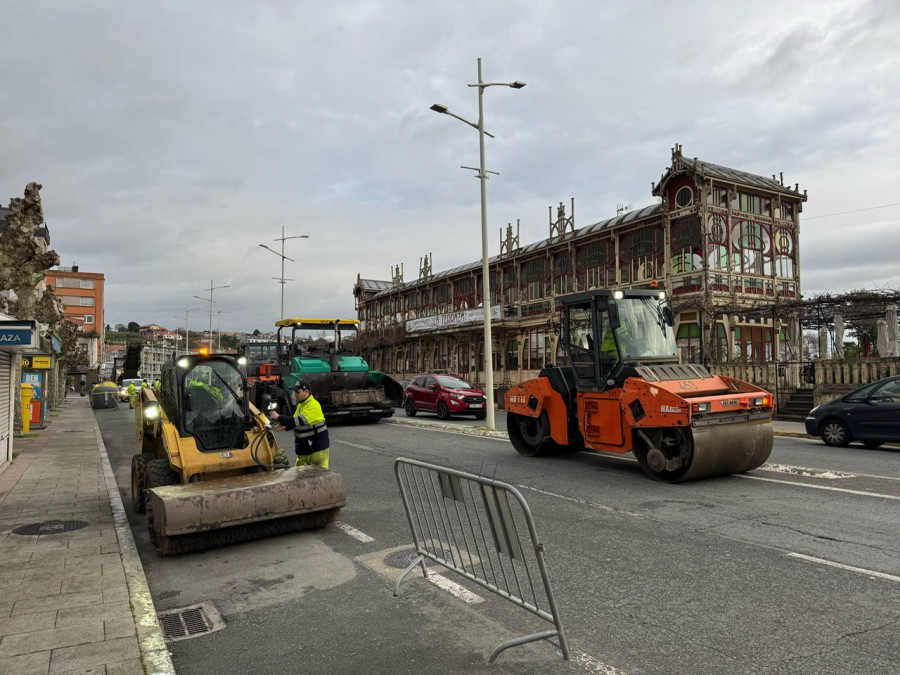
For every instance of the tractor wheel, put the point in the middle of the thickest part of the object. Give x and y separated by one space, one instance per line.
139 481
530 436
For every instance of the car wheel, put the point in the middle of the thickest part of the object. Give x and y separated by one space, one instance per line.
410 408
872 445
442 412
835 433
481 416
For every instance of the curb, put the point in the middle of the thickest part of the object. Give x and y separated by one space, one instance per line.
154 652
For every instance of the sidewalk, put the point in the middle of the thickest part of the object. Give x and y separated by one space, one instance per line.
73 596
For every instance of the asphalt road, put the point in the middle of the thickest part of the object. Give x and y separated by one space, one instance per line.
791 568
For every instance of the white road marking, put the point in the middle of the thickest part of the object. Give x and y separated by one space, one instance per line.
822 473
354 445
819 487
353 532
861 570
592 665
455 589
803 471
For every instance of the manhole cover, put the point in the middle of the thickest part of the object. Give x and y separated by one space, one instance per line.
51 527
188 622
403 559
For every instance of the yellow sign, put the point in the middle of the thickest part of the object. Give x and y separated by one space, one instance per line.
33 361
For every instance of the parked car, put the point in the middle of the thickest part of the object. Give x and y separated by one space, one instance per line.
123 388
870 415
445 395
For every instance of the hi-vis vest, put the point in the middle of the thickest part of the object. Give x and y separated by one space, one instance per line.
310 431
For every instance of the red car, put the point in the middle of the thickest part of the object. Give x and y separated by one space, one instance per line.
446 395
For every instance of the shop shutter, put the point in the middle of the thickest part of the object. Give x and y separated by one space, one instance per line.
6 409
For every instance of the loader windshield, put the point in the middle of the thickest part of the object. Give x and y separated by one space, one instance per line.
213 404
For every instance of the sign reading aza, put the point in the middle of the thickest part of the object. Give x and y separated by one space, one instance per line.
16 334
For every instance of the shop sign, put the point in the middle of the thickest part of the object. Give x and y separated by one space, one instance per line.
35 361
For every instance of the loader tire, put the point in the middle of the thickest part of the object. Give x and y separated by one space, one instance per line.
159 473
139 481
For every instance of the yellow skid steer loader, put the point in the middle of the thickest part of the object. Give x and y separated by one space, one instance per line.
208 470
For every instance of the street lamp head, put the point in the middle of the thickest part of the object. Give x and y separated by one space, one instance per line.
437 107
516 84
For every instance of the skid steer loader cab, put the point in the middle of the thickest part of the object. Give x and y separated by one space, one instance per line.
215 411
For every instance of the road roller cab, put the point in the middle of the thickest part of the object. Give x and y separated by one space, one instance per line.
620 388
208 469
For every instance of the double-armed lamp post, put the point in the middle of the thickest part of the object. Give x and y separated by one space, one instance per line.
485 271
283 258
210 300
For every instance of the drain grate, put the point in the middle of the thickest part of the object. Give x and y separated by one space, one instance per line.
51 527
403 559
188 622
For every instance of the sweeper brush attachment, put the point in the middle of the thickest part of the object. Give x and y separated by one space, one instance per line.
196 516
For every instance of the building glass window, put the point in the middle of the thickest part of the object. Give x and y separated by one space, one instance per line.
563 273
510 285
752 246
685 245
688 341
443 299
462 293
88 318
718 196
684 197
753 343
512 354
534 274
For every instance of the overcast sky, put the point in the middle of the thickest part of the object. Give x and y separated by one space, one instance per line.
172 138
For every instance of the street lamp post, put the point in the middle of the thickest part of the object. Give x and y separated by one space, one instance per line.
283 258
187 334
485 271
210 300
219 348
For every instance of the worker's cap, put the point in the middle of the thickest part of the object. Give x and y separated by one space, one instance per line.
301 384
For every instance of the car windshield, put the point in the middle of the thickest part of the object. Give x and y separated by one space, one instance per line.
453 383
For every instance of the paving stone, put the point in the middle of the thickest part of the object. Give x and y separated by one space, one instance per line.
131 667
77 615
97 654
27 623
53 638
36 663
68 600
119 628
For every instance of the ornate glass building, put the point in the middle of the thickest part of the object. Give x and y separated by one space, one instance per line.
723 242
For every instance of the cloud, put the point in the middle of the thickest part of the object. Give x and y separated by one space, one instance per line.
173 138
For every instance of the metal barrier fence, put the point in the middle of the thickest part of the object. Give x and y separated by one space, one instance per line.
469 525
